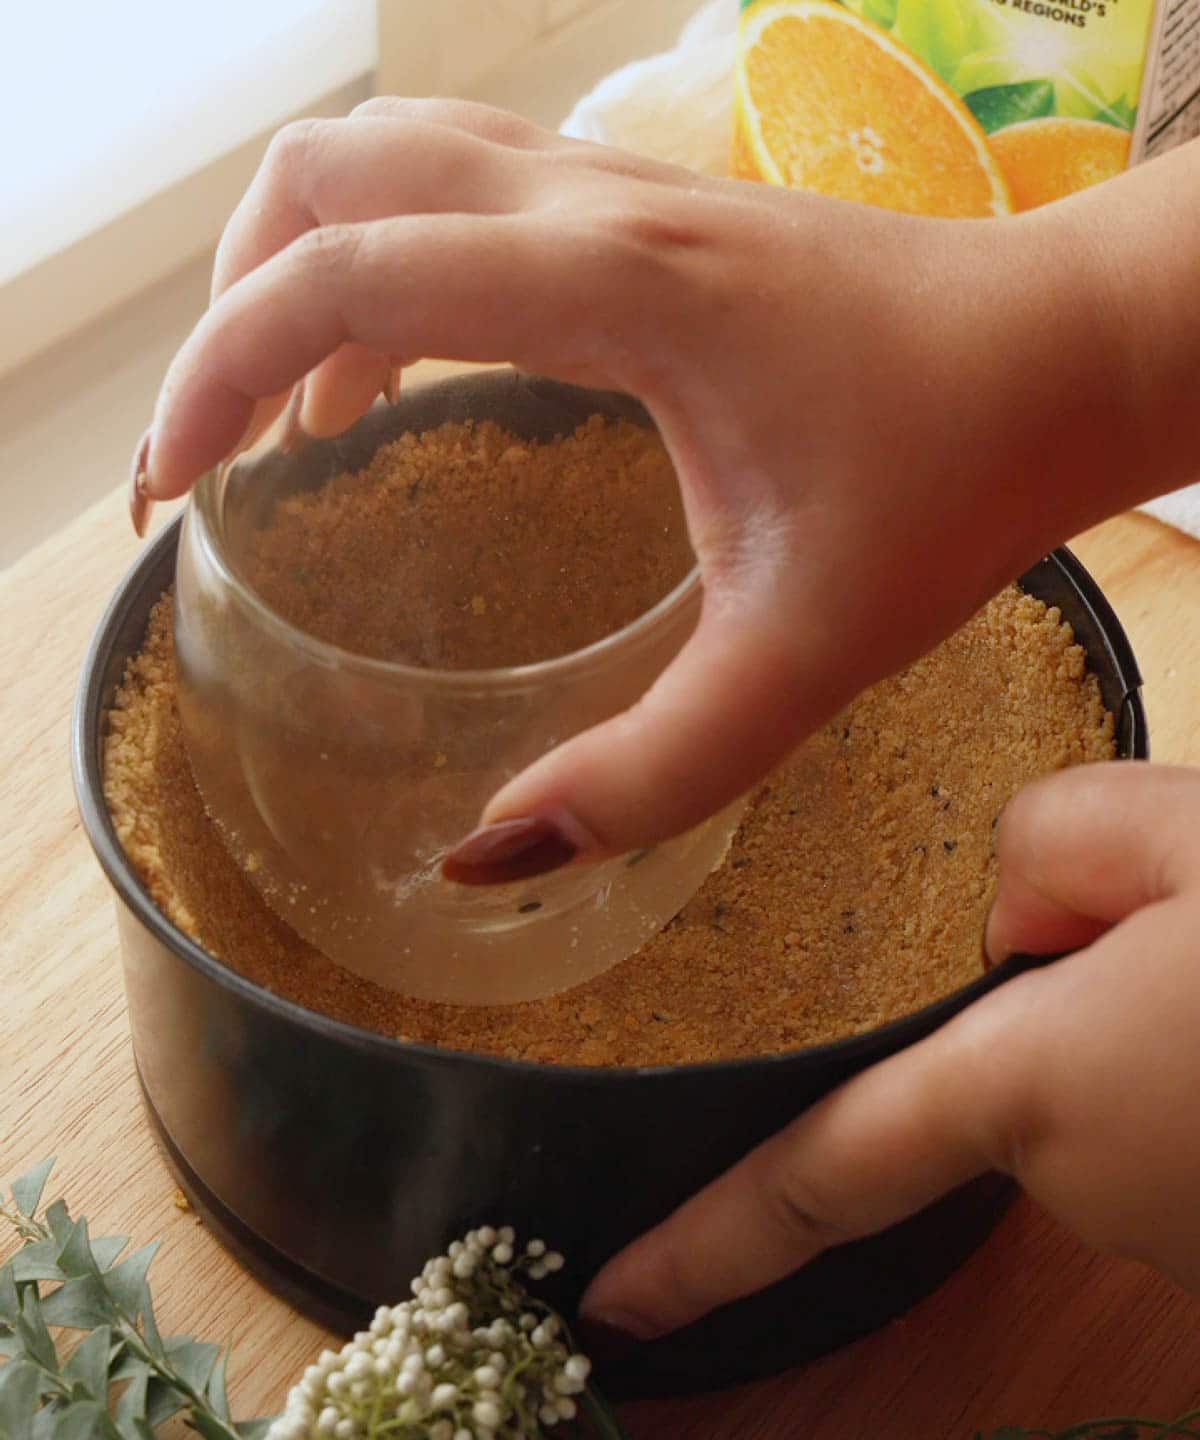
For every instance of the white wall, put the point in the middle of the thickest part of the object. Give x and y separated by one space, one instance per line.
70 415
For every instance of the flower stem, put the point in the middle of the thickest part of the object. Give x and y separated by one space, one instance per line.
1182 1426
602 1417
26 1226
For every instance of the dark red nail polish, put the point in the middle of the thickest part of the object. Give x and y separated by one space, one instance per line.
604 1345
508 850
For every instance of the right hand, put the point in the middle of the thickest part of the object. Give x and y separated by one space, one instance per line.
877 419
1078 1079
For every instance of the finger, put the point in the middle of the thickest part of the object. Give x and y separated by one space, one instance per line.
875 1151
472 117
341 388
264 414
516 291
683 751
328 172
1081 850
981 1093
502 127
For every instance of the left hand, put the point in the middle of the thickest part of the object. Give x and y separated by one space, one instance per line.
1079 1080
845 392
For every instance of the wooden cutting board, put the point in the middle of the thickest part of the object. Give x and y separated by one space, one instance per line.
1034 1330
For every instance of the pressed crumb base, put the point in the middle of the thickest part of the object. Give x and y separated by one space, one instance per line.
855 890
464 547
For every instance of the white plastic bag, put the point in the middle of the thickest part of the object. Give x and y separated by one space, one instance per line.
677 106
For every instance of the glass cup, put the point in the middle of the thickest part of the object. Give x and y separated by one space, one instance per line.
343 720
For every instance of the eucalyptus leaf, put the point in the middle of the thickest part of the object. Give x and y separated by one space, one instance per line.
127 1365
87 1420
38 1261
217 1392
996 106
211 1428
80 1304
193 1360
88 1363
133 1429
162 1401
31 1327
106 1249
154 1341
126 1282
10 1301
27 1191
75 1257
132 1403
20 1385
58 1218
123 1381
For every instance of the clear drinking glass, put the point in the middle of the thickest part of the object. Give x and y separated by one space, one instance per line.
339 780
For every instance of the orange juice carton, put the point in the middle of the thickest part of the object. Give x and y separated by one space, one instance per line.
961 107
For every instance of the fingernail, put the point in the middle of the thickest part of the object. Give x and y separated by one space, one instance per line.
391 385
292 436
509 850
612 1334
995 950
141 505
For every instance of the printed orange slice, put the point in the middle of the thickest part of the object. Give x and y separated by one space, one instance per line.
1044 160
828 101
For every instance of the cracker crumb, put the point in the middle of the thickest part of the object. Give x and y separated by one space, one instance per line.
857 885
458 549
841 904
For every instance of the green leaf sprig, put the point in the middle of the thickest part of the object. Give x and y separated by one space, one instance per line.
1112 1427
124 1378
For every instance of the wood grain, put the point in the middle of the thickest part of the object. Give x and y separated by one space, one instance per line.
1035 1329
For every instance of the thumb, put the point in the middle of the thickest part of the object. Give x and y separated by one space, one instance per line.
1080 850
730 705
1104 841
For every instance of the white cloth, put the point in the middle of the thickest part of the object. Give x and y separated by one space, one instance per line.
678 107
1182 509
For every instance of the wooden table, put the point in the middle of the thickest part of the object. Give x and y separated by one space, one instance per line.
1034 1330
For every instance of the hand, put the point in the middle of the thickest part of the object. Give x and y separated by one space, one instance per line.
1079 1080
877 420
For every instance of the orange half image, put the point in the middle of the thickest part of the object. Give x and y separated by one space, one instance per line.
827 101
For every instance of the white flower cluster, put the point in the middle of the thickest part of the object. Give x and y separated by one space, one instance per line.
470 1357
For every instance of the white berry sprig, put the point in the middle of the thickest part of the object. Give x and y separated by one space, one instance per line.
472 1356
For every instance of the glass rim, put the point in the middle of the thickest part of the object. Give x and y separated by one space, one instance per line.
205 511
